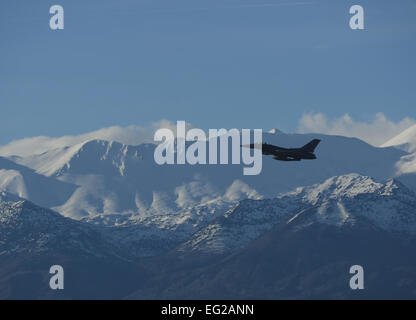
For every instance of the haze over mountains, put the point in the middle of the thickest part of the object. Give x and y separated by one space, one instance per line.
107 205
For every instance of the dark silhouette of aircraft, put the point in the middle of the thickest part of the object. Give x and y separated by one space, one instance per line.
284 154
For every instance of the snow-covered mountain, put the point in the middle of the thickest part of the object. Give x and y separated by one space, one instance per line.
338 201
33 238
301 259
156 208
222 226
299 245
115 178
157 234
406 140
406 166
159 225
26 183
83 158
26 228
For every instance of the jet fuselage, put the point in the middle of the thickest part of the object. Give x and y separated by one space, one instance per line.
289 154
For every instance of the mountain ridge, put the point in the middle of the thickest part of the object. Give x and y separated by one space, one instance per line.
405 140
114 178
305 228
391 206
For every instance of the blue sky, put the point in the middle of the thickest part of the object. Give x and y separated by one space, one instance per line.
244 64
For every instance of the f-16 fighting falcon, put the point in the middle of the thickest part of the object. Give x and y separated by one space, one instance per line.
285 154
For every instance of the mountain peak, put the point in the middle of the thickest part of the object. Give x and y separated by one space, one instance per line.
349 185
87 155
21 212
275 131
405 140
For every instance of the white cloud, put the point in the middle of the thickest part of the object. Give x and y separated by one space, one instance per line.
195 192
375 132
240 190
407 164
132 135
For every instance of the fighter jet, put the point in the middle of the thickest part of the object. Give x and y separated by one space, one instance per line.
284 154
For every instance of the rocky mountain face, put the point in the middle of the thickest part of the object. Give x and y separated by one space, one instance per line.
302 259
124 227
30 229
32 239
297 245
338 201
301 246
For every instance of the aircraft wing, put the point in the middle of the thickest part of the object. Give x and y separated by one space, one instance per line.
285 158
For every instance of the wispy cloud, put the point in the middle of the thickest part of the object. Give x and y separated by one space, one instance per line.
375 132
132 135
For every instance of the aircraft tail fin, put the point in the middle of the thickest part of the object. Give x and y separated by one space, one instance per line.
310 147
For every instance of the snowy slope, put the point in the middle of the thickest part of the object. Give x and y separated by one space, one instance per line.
26 183
406 140
303 259
118 178
129 207
82 158
303 233
406 166
215 227
32 239
26 228
338 201
158 234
